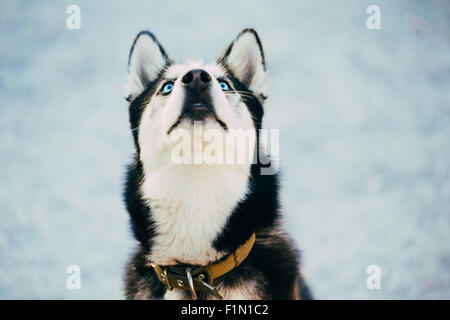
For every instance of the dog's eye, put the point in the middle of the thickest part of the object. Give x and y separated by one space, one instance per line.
224 86
167 88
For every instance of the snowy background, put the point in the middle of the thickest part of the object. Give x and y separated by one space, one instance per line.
364 119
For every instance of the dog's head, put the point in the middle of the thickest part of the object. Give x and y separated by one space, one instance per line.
165 96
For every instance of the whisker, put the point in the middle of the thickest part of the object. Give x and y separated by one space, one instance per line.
244 93
241 93
144 103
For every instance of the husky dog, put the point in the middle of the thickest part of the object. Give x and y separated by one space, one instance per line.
206 231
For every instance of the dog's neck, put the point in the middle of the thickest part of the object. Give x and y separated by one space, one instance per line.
190 205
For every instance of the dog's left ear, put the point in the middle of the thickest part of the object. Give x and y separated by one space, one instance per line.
244 57
146 61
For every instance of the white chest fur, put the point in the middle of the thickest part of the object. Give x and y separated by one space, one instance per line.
190 206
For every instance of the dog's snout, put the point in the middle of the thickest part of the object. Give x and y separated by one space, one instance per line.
197 101
196 80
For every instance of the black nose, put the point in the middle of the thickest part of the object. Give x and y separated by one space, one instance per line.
196 80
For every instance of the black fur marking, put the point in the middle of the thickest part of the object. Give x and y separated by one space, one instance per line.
254 105
259 210
278 262
141 223
137 108
304 290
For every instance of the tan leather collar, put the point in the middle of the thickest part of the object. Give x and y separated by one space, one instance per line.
202 278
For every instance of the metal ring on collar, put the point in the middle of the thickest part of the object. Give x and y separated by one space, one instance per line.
191 283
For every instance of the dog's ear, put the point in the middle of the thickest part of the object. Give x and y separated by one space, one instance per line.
244 57
146 61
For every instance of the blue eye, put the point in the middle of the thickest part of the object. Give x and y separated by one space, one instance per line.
167 88
224 86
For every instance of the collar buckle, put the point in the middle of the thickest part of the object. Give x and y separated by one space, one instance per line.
192 280
201 278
